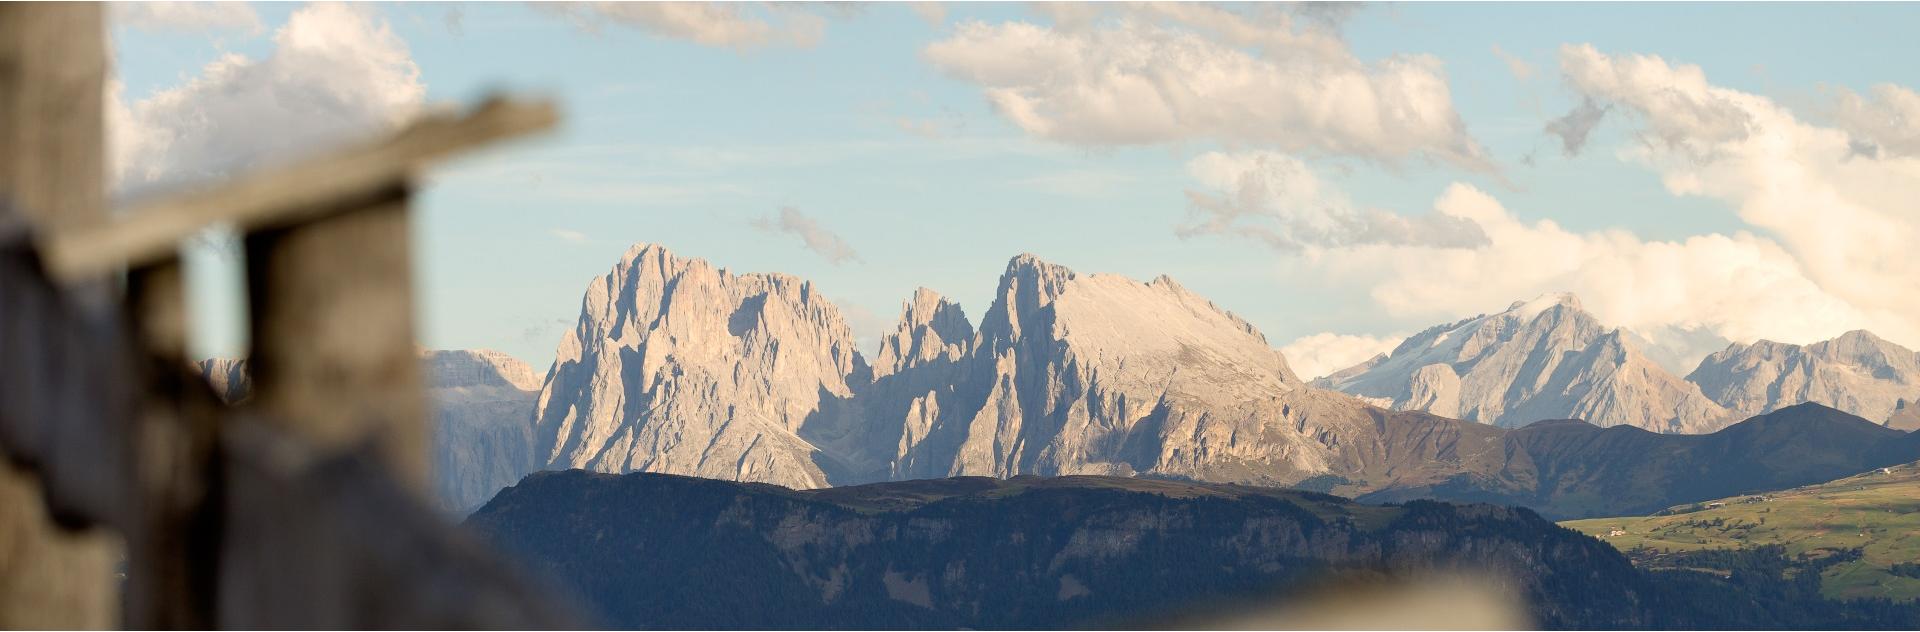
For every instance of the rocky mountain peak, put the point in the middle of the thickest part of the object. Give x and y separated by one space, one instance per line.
676 366
1540 358
1528 310
478 368
931 327
1857 372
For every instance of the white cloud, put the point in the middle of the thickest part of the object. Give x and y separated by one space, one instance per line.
568 235
1167 73
1278 200
1739 287
740 26
1320 354
815 237
336 73
187 17
1885 120
1847 223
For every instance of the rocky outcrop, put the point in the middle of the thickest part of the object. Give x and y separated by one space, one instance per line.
681 368
1541 359
1857 372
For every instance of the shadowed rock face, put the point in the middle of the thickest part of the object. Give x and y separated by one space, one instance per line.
1541 359
1856 372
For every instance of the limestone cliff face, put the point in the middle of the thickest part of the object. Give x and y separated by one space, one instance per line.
1100 374
483 424
1857 372
1540 359
681 368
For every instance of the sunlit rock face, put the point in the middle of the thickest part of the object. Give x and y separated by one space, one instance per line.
1857 372
678 367
681 368
1541 359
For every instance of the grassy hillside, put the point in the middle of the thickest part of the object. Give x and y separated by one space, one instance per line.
1877 512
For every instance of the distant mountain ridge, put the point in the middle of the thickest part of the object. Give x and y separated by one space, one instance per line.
1024 553
1541 359
1547 358
1857 372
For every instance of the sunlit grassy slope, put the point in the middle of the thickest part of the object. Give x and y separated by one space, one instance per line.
1878 512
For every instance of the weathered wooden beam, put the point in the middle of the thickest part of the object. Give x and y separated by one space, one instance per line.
52 77
279 196
333 344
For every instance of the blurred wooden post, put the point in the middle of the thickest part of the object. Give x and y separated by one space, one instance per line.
52 78
333 346
172 545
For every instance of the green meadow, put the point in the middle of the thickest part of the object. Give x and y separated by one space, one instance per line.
1877 512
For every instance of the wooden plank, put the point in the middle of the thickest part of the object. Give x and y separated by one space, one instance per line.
280 196
334 358
52 75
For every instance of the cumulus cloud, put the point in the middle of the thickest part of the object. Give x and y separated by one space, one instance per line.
1321 354
1278 200
336 73
739 26
815 237
1887 119
1738 287
1847 224
187 17
1166 73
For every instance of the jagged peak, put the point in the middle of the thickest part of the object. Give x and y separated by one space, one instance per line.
1027 263
1529 309
646 249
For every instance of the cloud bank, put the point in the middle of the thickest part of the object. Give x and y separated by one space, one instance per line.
1168 73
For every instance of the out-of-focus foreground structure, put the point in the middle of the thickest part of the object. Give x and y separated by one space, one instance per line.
305 507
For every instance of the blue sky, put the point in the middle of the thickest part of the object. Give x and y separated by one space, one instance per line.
904 157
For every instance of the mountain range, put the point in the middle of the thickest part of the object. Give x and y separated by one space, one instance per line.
676 366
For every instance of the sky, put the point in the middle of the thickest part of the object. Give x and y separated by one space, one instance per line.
1341 176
